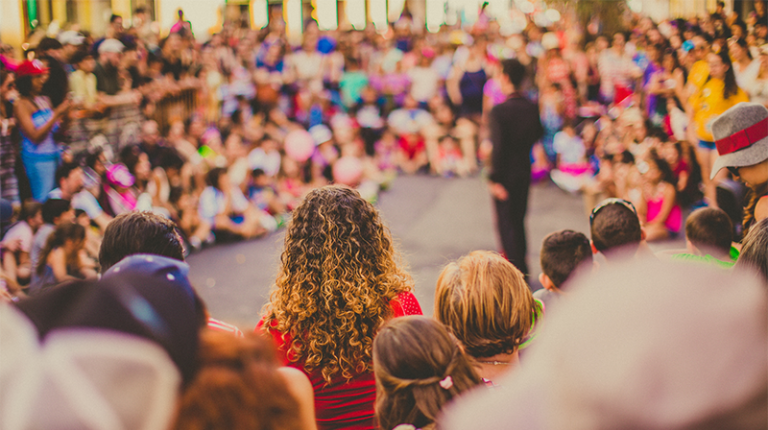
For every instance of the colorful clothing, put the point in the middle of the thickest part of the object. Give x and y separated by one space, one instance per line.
41 159
709 103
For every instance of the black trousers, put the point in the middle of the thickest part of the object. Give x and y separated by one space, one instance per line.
510 221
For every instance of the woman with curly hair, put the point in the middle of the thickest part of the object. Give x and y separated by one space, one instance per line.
420 367
338 283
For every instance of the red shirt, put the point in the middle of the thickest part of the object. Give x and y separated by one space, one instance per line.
346 404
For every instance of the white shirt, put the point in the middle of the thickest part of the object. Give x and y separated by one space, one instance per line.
83 200
20 230
212 203
424 83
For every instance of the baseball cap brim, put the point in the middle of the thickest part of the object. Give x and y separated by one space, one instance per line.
742 157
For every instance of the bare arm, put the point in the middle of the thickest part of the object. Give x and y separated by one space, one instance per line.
301 389
23 113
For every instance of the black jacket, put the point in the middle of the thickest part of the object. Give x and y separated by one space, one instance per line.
514 126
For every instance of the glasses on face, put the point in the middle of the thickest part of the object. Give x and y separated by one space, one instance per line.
734 170
608 202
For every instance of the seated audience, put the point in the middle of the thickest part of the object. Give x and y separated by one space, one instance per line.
668 325
62 259
562 254
17 245
225 207
419 368
466 290
55 213
339 282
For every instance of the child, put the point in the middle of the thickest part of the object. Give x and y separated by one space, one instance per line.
262 195
662 214
419 368
708 236
472 285
562 253
450 161
572 168
615 227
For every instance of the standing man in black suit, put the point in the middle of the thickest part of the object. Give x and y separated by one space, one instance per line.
514 126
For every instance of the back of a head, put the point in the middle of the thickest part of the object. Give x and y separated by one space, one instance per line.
562 252
754 252
237 386
710 229
419 367
677 346
337 252
54 208
514 70
616 227
139 233
486 303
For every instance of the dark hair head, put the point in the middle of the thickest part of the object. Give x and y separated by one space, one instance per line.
139 233
411 356
24 85
710 229
731 88
562 252
53 208
615 226
754 253
514 70
63 171
47 44
114 18
214 175
65 231
29 210
80 56
667 175
257 173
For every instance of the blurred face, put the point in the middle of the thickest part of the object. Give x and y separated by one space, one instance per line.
716 67
36 221
87 65
618 41
68 216
117 25
149 132
8 85
143 169
38 81
224 183
74 182
754 175
700 48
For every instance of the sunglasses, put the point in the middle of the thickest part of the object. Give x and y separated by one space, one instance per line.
609 202
734 170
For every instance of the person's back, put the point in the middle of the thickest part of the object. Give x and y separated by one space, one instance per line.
338 283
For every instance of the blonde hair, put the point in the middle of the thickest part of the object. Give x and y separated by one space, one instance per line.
486 303
338 273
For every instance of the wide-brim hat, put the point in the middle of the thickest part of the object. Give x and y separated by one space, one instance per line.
741 136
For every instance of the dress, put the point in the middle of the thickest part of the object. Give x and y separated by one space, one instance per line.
346 404
471 87
41 159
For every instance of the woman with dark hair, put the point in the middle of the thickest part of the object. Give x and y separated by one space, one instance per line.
745 67
338 283
718 94
9 184
420 367
37 121
658 209
61 259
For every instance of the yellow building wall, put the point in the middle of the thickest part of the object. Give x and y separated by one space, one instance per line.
12 23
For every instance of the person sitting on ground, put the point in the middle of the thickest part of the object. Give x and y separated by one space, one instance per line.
562 254
69 178
240 386
225 207
615 228
55 213
146 233
708 237
466 290
419 367
63 259
16 256
338 283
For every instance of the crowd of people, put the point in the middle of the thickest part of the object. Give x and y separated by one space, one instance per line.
663 129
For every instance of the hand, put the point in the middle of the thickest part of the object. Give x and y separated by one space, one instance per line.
62 109
498 191
11 245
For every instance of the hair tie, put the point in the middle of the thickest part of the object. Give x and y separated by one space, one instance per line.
447 382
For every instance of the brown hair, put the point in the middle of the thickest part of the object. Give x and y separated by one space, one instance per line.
139 233
237 387
338 273
709 229
419 367
562 252
753 196
485 302
64 232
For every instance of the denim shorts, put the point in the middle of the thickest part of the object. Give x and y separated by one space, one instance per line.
703 144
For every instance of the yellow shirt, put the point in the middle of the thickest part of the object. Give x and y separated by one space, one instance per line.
699 74
708 104
83 86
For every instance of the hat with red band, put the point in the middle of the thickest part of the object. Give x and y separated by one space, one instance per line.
33 67
741 136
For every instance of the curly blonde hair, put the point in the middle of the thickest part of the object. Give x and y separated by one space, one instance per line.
338 273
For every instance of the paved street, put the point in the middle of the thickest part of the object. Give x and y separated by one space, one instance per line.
433 221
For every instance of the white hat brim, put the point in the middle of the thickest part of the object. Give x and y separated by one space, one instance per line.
751 155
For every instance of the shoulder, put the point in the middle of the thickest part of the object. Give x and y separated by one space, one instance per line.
761 209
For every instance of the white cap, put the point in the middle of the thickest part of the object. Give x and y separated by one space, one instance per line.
71 37
111 45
